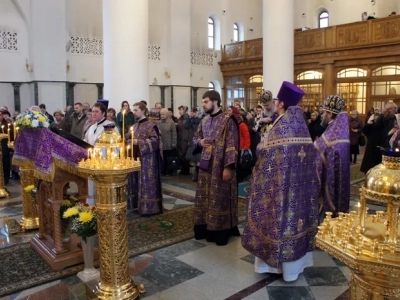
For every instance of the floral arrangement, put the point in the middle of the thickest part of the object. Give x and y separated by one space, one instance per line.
83 219
32 119
68 202
32 190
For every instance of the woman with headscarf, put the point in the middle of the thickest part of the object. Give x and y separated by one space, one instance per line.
125 116
244 142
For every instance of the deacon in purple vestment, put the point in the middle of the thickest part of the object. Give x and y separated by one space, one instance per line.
282 202
215 214
147 141
333 159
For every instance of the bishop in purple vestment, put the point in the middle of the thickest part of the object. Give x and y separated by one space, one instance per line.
215 214
282 201
333 160
147 140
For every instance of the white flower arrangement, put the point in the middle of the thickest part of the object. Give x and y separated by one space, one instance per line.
32 119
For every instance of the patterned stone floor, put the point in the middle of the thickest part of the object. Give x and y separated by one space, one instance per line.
200 270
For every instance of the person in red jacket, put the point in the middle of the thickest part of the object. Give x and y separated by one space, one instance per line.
244 166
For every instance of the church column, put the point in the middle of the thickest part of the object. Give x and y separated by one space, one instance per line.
125 38
329 80
99 90
278 43
17 96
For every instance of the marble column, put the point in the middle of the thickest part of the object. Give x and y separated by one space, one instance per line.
70 95
125 38
278 43
100 90
162 88
17 96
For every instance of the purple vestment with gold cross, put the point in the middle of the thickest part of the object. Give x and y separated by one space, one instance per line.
216 206
149 150
282 201
333 164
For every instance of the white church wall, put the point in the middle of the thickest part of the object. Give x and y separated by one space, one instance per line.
52 94
85 26
85 93
26 95
7 96
13 59
340 11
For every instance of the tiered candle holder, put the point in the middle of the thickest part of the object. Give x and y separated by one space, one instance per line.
109 167
368 243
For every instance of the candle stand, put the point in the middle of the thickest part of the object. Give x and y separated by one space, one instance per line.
368 243
109 167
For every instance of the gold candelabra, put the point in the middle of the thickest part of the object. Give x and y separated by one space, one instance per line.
367 243
109 165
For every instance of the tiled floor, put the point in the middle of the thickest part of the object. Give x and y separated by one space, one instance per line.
200 270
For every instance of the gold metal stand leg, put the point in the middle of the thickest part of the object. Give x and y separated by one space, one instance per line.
115 282
3 192
30 220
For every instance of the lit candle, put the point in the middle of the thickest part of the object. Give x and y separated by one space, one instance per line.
2 129
121 152
16 134
14 131
9 132
132 137
88 153
123 127
127 151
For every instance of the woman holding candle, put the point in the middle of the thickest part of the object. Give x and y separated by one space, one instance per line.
125 120
147 145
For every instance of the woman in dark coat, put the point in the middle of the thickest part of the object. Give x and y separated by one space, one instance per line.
372 155
355 126
191 124
314 126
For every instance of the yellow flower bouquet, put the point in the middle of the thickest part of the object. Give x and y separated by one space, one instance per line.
84 220
32 190
32 119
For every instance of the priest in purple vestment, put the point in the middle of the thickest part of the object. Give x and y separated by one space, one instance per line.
148 148
333 159
215 215
282 201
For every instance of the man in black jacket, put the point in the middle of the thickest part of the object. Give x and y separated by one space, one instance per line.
44 111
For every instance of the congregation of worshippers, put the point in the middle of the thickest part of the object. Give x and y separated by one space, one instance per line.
295 159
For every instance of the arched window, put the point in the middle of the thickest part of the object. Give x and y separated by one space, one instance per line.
211 33
235 32
323 19
352 72
211 86
309 75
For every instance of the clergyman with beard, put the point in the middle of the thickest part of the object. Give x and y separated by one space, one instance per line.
215 215
333 162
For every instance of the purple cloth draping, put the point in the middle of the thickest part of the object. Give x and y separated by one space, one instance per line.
41 147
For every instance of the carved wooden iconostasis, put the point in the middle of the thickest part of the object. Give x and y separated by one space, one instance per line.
359 61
